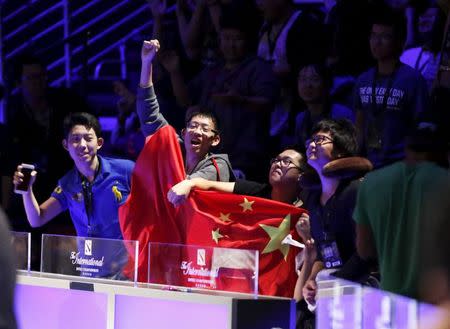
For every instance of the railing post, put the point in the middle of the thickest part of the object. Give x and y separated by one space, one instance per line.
66 13
123 61
2 79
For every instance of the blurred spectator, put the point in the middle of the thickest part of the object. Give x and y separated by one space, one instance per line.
35 117
393 211
199 25
241 92
406 8
127 139
169 30
313 85
289 38
426 57
7 277
390 97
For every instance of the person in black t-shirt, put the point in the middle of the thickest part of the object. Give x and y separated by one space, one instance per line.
332 145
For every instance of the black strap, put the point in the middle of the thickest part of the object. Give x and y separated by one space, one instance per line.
87 197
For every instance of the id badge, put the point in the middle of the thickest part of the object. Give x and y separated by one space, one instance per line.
330 254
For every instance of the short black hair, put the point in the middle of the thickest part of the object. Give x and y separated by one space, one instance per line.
343 133
81 119
323 71
386 16
204 112
239 16
297 148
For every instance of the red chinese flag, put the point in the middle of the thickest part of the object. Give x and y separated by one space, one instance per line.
147 216
208 218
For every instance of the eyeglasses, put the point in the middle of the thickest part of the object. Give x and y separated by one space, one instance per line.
319 140
204 128
284 162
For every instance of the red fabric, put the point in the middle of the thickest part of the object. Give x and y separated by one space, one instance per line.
148 216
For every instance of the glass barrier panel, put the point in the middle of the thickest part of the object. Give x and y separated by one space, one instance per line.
211 268
89 257
339 304
21 243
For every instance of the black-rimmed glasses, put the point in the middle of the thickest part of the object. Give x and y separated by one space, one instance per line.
203 127
319 140
284 162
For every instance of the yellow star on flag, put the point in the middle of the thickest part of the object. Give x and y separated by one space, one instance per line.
225 217
246 205
277 234
216 235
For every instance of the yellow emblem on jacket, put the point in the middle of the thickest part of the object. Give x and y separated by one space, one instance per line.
117 193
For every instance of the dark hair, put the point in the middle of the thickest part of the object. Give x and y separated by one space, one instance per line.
434 39
386 16
21 61
240 17
343 133
297 148
430 140
200 111
82 119
323 71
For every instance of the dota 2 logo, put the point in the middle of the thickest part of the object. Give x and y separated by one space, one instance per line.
88 247
201 258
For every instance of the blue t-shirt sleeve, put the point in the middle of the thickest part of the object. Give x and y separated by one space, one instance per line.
60 195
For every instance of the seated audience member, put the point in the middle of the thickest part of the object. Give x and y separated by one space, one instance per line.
7 276
393 211
331 152
127 139
313 85
92 191
199 136
389 98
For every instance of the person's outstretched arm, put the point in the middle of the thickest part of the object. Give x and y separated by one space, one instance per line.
179 192
37 215
147 105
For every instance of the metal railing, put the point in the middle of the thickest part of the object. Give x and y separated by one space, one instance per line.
71 43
